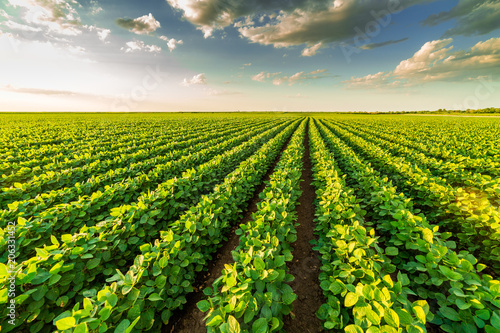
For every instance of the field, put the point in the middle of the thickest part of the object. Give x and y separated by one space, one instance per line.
249 223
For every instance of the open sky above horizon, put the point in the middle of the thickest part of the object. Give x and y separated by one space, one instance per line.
263 55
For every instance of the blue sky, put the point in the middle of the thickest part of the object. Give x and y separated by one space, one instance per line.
225 55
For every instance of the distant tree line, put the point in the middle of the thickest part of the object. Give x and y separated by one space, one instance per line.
440 111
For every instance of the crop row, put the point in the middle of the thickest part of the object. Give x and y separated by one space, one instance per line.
97 208
148 171
474 220
356 273
159 278
252 294
460 299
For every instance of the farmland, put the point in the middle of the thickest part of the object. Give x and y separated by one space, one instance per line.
249 223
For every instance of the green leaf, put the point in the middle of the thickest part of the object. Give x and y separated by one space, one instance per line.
391 317
155 297
454 276
204 305
335 288
4 296
3 270
495 320
93 263
233 325
420 313
392 251
161 281
373 317
215 321
259 264
54 241
122 327
351 299
449 313
66 323
260 326
353 329
82 328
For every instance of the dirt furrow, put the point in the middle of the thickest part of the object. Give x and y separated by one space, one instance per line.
190 318
306 264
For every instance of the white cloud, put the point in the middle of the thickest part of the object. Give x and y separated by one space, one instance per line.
95 8
436 61
20 27
171 42
198 79
142 25
57 16
138 45
279 79
311 51
102 33
314 23
262 76
4 14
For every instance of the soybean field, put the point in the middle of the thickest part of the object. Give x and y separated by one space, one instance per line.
241 222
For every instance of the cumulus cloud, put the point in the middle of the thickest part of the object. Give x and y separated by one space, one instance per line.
437 61
262 76
372 46
142 25
473 18
314 23
57 16
279 79
95 8
140 46
198 79
102 33
215 14
171 42
311 51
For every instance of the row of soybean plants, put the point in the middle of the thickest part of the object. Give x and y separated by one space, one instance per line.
478 174
446 137
51 141
460 297
252 294
23 162
364 290
92 165
119 273
102 206
145 173
459 170
474 221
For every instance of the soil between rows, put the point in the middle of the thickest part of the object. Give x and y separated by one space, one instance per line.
306 264
190 318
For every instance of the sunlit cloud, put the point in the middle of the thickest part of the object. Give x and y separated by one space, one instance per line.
142 25
299 22
436 61
140 46
58 17
171 42
279 79
198 79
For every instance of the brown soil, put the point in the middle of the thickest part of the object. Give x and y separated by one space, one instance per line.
306 263
190 318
